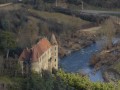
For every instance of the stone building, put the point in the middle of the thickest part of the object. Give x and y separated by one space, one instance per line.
42 56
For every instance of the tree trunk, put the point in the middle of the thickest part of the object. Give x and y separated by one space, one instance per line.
56 3
7 54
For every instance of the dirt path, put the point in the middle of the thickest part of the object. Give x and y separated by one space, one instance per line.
92 29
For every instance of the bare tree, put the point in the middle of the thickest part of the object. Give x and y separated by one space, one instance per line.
108 31
28 34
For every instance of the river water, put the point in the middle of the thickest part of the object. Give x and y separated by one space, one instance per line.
78 62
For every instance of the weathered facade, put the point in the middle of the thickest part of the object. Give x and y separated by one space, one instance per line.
42 56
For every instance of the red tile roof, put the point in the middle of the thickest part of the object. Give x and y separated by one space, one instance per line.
25 54
42 46
37 50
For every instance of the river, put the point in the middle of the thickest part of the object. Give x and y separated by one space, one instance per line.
78 62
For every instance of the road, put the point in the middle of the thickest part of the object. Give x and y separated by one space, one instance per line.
112 14
101 12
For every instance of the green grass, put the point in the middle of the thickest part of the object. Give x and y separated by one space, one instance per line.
10 80
60 18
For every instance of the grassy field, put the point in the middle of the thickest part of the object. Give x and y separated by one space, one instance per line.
60 18
57 17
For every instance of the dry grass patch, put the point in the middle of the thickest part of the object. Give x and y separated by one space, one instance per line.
60 18
116 67
11 7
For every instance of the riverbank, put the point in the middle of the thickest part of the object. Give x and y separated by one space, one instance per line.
77 40
78 62
109 61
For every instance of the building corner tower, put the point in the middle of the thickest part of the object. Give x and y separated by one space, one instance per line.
54 51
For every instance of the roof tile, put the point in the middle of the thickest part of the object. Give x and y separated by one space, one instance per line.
37 50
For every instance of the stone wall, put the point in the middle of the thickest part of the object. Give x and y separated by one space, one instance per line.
43 62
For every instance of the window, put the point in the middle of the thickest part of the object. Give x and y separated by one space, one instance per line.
50 59
55 65
55 60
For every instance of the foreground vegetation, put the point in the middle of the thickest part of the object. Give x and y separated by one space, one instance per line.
58 81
